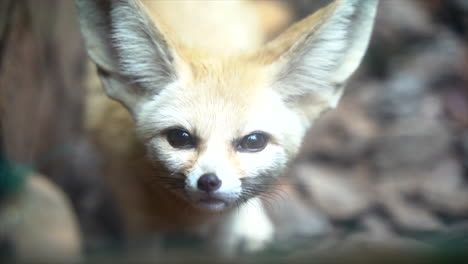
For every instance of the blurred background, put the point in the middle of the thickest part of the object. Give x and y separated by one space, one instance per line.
389 166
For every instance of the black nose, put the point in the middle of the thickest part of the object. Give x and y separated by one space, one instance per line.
209 182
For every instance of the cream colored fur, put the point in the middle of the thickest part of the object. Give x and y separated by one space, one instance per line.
203 66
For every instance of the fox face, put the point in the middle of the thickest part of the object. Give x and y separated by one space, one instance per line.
223 126
222 139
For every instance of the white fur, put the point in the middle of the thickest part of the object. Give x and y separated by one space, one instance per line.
213 160
249 227
218 157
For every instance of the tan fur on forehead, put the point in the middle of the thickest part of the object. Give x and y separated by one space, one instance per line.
221 87
208 34
240 74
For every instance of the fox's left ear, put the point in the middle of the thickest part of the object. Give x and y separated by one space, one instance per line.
312 60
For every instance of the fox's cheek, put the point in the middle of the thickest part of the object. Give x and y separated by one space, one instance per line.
176 161
272 158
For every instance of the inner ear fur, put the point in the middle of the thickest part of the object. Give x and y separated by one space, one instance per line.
315 57
133 54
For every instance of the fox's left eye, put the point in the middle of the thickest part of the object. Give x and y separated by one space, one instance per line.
253 142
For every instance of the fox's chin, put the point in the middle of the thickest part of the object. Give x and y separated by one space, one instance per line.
211 204
214 203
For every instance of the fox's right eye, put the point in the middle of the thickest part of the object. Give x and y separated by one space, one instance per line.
254 142
179 138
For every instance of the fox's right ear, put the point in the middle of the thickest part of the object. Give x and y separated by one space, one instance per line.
132 53
314 58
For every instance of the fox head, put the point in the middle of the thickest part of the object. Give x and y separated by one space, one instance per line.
224 127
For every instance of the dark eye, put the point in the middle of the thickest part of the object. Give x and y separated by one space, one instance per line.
253 142
179 138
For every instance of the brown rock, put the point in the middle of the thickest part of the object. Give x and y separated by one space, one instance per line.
407 216
344 133
377 227
402 18
294 219
444 189
335 192
40 224
412 143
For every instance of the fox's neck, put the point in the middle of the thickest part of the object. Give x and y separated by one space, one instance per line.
198 26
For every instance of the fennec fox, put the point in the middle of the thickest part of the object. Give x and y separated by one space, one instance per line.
216 114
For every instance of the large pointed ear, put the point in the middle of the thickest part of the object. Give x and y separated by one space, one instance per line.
313 59
132 53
